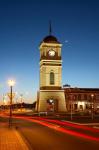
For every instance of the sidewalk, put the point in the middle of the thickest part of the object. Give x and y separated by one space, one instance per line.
10 139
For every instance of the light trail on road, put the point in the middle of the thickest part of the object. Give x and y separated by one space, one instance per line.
61 129
56 127
66 123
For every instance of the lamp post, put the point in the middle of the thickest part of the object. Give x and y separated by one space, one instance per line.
3 101
21 96
92 106
71 111
11 83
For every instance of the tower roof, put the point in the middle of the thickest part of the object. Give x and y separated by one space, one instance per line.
50 39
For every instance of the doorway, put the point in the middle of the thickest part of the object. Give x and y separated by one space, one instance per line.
52 105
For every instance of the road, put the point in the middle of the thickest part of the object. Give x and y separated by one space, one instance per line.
45 134
47 137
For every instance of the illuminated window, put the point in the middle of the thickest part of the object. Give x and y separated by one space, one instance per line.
51 78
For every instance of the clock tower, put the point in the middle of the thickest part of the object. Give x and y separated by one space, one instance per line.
51 97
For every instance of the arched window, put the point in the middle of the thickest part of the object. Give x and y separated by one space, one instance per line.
51 78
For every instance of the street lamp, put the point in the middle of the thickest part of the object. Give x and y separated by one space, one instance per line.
71 111
92 106
11 83
21 96
3 102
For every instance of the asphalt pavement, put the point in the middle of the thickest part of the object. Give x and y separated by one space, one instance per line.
40 137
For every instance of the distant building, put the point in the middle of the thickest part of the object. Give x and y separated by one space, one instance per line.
82 99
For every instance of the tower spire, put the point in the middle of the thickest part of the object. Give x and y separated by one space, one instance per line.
50 28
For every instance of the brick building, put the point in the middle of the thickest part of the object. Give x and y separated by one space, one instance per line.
82 99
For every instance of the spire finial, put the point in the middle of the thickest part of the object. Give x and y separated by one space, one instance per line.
50 28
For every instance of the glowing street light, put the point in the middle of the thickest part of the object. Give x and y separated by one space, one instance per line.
11 83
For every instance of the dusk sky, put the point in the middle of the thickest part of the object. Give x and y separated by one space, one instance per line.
24 24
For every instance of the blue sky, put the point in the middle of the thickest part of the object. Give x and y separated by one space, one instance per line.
23 25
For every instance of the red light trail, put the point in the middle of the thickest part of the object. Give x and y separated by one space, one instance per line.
50 123
61 129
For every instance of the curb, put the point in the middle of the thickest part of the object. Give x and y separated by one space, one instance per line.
90 124
22 141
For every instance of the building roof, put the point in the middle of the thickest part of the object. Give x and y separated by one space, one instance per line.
50 39
81 89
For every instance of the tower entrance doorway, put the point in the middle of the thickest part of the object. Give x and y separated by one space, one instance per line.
52 105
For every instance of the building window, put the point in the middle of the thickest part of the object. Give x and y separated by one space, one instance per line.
81 107
75 97
97 97
51 78
79 96
85 96
75 106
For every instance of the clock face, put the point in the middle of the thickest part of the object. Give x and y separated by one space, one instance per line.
51 53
